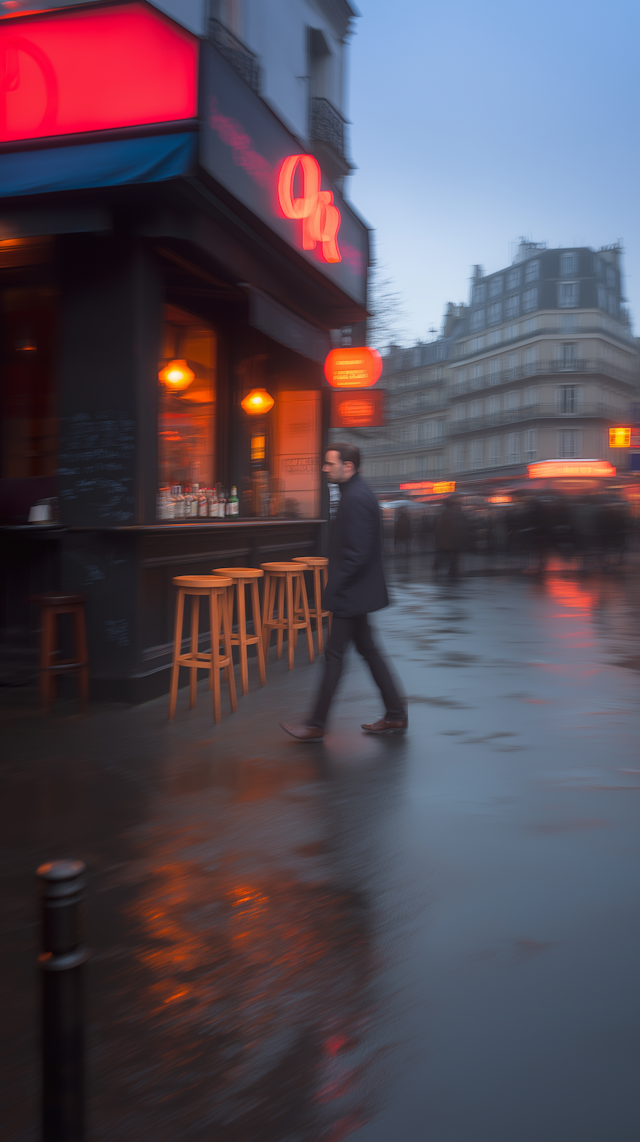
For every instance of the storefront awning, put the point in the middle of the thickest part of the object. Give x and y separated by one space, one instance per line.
286 327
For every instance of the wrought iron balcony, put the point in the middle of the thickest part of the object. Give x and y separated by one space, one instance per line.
326 125
533 412
236 53
544 368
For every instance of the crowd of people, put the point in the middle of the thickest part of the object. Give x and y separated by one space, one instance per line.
591 530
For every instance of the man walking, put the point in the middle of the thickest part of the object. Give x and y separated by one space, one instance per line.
355 587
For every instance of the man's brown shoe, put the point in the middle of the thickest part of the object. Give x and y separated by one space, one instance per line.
386 726
304 733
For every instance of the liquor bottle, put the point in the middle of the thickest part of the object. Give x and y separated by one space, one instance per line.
222 503
178 500
233 504
213 504
203 503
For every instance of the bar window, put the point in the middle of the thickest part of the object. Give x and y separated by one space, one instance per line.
28 402
187 408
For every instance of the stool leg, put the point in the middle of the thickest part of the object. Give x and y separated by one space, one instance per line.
177 647
257 630
193 670
242 637
228 651
214 620
267 610
317 603
325 579
290 620
83 655
280 617
307 619
47 648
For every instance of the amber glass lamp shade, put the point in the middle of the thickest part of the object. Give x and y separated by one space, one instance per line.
258 401
176 376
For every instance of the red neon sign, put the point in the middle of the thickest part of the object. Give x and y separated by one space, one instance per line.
356 368
570 468
320 218
94 69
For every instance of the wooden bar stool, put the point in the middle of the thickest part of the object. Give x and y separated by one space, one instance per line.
244 577
280 576
215 588
318 564
51 605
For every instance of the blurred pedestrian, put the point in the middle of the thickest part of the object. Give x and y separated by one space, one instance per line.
449 536
355 587
402 531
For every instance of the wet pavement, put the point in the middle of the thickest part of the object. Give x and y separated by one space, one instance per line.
433 937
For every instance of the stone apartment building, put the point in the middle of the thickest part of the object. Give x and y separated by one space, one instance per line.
538 366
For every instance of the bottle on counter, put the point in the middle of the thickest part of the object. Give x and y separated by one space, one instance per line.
203 504
222 503
213 504
233 504
163 504
178 502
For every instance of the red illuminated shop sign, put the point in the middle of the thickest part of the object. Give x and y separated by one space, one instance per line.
429 487
94 69
563 468
312 206
355 368
357 409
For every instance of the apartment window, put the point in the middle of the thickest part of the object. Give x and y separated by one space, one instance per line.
494 371
513 279
477 456
513 448
402 468
512 401
568 399
438 464
495 313
477 320
613 305
531 355
530 397
530 300
530 325
495 287
568 265
602 297
568 443
476 375
458 458
532 271
568 355
493 406
530 452
568 294
512 360
479 293
495 452
460 412
439 429
512 307
611 277
476 408
462 380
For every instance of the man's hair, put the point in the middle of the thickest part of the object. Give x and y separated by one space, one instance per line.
346 452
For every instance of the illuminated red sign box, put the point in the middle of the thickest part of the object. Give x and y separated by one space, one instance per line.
563 468
429 487
357 409
356 368
94 69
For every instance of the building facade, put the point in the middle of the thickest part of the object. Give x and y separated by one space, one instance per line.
538 366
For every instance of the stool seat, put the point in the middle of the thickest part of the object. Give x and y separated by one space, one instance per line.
292 617
54 599
318 564
245 577
280 566
215 588
312 560
52 604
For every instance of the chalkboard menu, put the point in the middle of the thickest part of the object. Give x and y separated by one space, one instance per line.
97 468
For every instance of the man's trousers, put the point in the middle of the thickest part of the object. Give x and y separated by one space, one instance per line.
357 630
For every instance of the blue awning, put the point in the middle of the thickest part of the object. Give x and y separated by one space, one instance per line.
116 163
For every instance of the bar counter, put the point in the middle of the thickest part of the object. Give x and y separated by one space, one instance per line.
126 574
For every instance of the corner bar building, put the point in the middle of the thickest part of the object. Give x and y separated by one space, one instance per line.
159 260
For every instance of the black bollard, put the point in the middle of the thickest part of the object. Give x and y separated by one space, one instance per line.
62 1001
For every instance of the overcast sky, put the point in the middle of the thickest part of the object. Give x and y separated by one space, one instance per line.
475 123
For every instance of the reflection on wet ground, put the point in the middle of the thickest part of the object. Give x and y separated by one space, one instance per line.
368 939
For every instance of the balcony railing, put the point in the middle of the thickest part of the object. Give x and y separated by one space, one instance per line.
326 125
236 53
533 412
545 368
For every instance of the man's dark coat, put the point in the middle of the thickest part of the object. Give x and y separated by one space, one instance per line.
356 583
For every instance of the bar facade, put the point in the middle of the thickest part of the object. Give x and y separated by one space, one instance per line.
171 266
